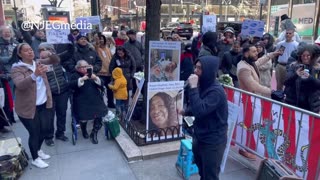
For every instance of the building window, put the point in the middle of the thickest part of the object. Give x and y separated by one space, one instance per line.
6 2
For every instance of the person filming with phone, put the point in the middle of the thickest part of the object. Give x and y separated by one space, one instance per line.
302 82
286 47
88 101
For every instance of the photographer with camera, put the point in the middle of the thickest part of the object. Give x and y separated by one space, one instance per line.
88 101
302 81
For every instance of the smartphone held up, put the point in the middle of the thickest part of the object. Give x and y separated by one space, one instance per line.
89 71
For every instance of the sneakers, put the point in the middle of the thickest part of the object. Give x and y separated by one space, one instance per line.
43 156
39 163
49 142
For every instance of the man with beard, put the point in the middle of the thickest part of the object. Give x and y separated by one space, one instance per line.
7 44
137 52
248 71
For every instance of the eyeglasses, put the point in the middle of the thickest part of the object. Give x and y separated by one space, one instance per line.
289 33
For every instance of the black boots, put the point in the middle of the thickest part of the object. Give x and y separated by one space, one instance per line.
97 124
83 126
93 137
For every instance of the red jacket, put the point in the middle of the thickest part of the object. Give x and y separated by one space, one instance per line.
119 42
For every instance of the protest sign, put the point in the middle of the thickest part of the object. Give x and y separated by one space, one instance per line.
209 23
252 28
57 34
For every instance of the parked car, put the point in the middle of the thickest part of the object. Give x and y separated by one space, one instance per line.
182 29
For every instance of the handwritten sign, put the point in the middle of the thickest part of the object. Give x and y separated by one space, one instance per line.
252 28
209 23
58 35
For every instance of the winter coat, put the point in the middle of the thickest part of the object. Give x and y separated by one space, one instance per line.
186 66
127 65
119 87
120 42
265 72
229 64
57 80
223 47
205 51
249 79
105 57
26 91
6 51
137 52
86 53
208 104
303 92
88 100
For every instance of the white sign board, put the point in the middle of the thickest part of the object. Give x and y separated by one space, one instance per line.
209 23
57 35
233 111
252 28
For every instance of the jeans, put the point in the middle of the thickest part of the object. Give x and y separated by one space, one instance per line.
107 80
60 106
208 158
37 129
121 107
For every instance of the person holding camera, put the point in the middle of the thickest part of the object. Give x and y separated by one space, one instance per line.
33 100
302 82
88 101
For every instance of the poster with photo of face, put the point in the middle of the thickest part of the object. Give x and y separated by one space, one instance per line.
164 98
164 60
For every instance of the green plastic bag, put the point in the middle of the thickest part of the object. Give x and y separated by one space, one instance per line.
113 127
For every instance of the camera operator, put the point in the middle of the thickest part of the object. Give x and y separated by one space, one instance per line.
302 81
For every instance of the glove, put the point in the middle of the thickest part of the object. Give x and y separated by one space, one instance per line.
277 95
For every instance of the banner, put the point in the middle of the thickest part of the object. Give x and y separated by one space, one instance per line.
252 28
164 60
277 132
209 23
164 98
92 20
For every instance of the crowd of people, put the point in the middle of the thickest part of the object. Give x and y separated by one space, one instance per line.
38 79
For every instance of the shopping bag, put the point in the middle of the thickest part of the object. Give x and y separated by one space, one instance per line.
113 127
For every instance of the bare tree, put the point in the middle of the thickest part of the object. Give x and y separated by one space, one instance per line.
55 3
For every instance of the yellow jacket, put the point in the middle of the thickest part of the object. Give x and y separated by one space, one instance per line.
120 85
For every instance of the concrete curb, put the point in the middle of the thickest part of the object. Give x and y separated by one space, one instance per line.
133 152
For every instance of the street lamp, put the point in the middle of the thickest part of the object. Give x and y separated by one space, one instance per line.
262 2
15 9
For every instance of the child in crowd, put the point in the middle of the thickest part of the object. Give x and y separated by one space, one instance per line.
88 101
120 92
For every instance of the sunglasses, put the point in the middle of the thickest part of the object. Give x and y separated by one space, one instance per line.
288 33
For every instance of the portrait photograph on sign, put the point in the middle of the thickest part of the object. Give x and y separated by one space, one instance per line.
162 117
164 61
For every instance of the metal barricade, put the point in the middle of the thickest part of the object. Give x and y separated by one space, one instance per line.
271 129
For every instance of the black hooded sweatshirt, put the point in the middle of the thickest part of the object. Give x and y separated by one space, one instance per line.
208 104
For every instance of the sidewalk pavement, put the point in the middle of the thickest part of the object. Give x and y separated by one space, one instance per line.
105 161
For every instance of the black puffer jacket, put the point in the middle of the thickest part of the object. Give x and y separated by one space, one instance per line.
229 63
57 80
303 93
86 53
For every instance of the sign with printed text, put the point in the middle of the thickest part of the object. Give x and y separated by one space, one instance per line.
252 28
57 35
209 23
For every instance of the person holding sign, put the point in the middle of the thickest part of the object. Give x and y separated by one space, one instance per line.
208 104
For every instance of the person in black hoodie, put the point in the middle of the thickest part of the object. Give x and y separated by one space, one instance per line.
230 60
208 104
